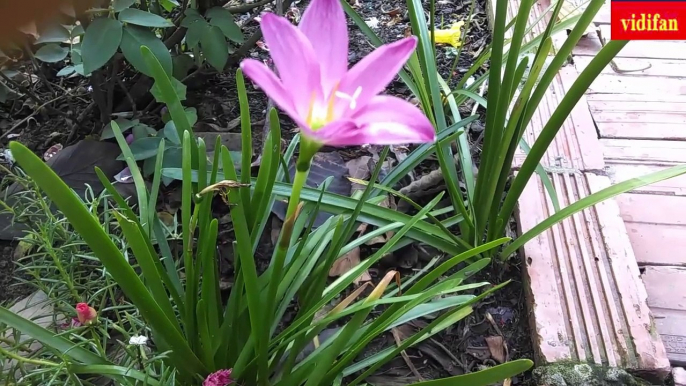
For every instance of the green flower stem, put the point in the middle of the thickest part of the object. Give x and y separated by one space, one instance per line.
302 168
20 358
298 183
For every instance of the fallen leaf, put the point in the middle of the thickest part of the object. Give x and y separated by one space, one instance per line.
358 168
496 345
166 218
345 263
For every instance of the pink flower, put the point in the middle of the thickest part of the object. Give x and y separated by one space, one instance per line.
218 378
334 105
129 139
86 314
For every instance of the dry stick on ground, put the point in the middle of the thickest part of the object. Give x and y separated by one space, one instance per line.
78 122
127 93
110 87
36 66
248 7
16 125
409 363
31 95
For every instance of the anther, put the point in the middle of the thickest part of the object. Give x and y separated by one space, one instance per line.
352 99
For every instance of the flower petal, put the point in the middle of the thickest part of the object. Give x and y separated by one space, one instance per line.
375 71
272 86
294 59
387 120
337 133
323 23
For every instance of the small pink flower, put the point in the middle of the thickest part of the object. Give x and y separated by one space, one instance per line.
218 378
129 138
86 314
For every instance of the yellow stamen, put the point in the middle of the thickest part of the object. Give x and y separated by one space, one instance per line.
310 111
329 110
316 121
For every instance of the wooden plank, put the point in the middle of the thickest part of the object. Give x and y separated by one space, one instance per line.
586 299
642 130
622 84
641 98
644 151
653 209
656 225
658 67
627 106
576 143
657 244
656 117
645 49
619 172
649 348
666 288
603 16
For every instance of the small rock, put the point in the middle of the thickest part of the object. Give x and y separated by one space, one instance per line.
38 309
679 375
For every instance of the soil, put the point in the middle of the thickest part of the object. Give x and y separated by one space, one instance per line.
460 349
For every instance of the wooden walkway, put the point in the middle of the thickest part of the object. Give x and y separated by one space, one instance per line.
608 285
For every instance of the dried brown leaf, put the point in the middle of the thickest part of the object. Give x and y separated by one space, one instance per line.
496 345
345 263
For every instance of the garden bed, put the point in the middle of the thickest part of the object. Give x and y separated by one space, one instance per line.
471 344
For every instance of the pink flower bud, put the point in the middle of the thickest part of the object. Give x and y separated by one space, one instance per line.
86 314
129 138
219 378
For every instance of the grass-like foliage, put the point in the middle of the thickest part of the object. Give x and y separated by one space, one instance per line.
171 295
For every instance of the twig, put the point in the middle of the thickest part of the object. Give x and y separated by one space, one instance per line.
31 95
36 66
248 7
409 363
110 87
248 44
16 125
128 95
98 96
78 122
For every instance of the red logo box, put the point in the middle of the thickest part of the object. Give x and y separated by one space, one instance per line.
648 20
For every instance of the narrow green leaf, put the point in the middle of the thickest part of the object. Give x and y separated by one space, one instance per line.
141 249
109 370
570 99
591 200
144 148
168 92
49 338
484 377
109 255
543 175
